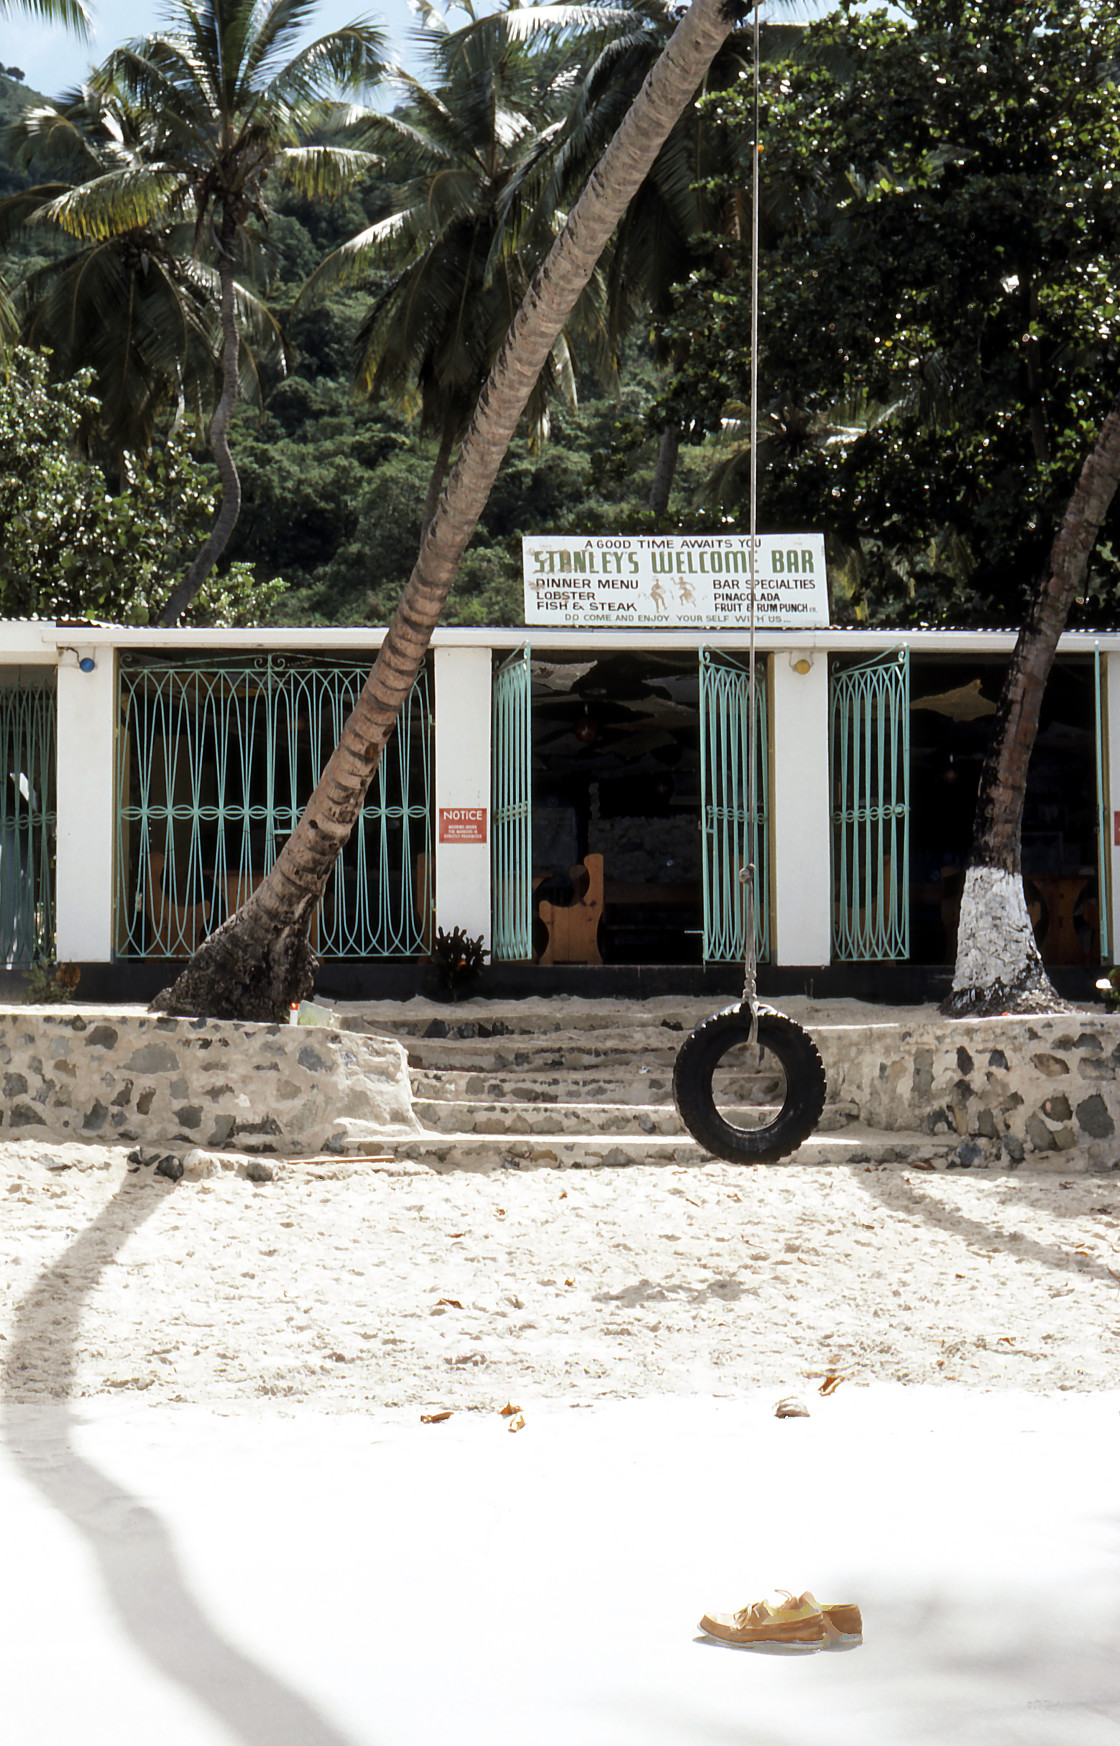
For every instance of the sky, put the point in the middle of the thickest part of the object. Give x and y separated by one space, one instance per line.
54 60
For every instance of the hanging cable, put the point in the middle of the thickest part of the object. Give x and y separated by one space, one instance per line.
766 1131
747 873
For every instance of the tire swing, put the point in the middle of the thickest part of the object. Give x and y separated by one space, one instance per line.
725 1073
749 1084
794 1054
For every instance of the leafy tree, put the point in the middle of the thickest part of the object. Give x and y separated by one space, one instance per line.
939 322
999 967
227 93
941 348
71 547
260 960
332 487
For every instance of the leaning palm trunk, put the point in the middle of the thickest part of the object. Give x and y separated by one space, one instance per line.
999 968
230 506
435 482
665 472
260 961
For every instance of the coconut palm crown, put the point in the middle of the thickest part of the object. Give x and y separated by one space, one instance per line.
233 93
470 151
137 308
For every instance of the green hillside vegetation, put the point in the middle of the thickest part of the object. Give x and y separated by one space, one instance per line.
15 97
925 397
333 487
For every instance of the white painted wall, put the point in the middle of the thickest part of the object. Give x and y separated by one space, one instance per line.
463 690
86 812
800 807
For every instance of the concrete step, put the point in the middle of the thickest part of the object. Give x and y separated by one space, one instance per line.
571 1053
523 1018
855 1146
607 1084
448 1116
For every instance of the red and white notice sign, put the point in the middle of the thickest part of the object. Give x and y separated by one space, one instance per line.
462 824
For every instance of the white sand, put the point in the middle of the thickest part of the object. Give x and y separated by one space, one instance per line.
422 1290
226 1525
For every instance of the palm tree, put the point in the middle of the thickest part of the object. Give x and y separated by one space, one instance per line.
999 967
231 97
655 248
470 152
259 961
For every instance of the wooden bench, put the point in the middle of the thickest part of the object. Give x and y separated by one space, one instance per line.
573 928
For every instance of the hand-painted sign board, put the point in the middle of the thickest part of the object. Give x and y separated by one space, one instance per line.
678 581
462 824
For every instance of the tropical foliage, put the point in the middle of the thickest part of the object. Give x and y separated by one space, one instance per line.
72 548
260 960
227 97
133 305
470 154
69 12
940 330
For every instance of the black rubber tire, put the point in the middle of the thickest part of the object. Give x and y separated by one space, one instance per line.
701 1053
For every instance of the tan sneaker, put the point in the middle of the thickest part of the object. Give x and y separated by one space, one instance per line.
843 1623
798 1623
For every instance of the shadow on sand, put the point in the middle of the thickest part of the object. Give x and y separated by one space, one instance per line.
133 1548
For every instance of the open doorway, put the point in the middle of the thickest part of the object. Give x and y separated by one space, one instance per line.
953 703
616 809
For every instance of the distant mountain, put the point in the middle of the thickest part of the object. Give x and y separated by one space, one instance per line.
15 97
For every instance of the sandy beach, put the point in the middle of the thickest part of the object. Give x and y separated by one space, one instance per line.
258 1488
401 1288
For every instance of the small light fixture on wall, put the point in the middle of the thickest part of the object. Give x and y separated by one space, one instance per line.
85 663
801 663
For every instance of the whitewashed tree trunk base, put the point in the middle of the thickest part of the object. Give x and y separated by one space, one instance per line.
999 968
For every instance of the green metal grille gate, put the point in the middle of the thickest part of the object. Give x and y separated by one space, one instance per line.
1104 835
730 839
28 742
869 746
512 852
215 762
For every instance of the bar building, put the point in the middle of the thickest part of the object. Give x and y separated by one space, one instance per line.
577 797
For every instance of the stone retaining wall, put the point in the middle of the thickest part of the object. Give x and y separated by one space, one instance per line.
281 1089
1039 1091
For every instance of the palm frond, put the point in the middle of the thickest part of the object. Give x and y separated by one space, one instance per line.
407 145
350 59
353 260
71 13
18 211
523 23
51 135
324 172
9 321
275 30
111 205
